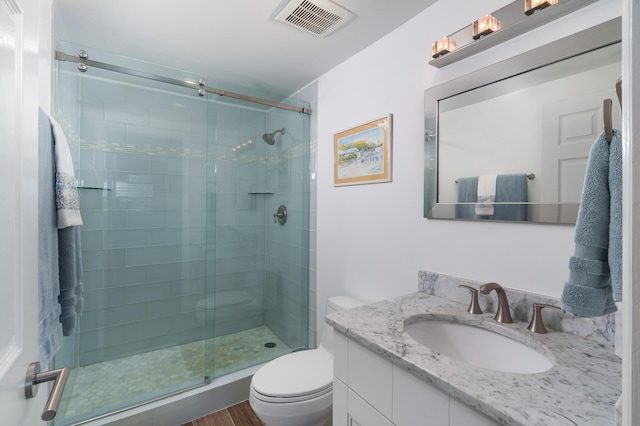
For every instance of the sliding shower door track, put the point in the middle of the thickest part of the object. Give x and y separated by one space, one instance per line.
140 404
82 61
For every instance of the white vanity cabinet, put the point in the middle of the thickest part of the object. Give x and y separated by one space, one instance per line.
368 390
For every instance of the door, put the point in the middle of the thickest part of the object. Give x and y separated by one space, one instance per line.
18 217
630 216
569 128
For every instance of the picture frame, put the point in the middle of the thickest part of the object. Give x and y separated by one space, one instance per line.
362 154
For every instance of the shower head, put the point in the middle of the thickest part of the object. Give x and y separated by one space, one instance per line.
270 138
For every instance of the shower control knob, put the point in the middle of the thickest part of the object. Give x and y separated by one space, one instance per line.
280 216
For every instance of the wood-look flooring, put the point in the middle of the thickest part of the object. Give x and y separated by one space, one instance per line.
237 415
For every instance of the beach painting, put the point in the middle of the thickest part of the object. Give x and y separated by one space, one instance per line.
362 154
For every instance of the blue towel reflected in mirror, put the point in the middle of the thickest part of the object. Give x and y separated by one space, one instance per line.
511 198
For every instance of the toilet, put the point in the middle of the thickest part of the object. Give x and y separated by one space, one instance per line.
297 389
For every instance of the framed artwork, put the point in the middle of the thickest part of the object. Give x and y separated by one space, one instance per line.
362 154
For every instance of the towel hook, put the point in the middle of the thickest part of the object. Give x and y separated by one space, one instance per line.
619 90
608 126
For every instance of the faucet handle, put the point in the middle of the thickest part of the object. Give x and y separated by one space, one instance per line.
537 325
474 306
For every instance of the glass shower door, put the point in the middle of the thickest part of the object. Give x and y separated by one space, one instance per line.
140 150
237 289
259 286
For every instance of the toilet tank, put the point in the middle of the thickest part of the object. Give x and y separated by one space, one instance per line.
335 304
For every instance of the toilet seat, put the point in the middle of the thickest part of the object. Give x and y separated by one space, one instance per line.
290 399
289 378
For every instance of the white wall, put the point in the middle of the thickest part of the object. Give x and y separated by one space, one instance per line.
372 239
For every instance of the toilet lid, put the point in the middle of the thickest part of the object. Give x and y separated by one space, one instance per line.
295 374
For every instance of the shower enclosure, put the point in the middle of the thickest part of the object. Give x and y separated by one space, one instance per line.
188 275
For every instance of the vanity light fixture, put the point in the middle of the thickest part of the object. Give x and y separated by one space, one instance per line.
512 23
532 6
442 46
485 25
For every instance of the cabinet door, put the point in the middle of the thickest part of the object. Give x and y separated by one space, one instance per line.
340 356
370 377
416 402
340 395
463 415
362 414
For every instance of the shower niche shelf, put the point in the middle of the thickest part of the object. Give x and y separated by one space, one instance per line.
94 188
261 193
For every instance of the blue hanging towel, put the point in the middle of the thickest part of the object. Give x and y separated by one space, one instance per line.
511 189
467 193
615 224
69 220
588 292
49 327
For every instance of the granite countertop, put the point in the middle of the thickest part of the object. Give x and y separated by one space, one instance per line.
580 389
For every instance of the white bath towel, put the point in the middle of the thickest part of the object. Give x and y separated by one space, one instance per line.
486 195
67 202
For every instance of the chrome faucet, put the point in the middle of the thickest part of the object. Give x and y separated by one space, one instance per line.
502 313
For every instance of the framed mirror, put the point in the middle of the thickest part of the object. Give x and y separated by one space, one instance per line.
521 131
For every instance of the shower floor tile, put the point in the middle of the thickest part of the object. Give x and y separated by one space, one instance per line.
109 386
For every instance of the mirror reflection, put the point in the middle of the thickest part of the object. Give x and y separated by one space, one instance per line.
521 142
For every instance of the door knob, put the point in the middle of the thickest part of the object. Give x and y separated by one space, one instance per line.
35 377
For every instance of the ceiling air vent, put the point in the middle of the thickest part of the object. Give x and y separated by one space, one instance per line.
319 17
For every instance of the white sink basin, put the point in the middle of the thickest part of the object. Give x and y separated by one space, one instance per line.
478 346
